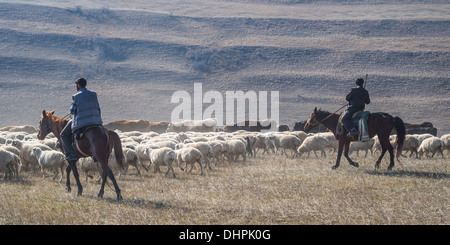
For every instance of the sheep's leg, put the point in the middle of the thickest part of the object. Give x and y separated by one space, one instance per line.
62 173
192 167
170 169
201 167
179 164
315 154
43 173
55 171
323 153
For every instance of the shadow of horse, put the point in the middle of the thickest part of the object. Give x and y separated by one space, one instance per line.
417 174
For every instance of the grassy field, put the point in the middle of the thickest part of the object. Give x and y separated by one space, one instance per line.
262 190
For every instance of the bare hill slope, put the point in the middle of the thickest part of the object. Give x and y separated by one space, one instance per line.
136 54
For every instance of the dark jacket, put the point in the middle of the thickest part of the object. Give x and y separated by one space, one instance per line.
358 98
85 109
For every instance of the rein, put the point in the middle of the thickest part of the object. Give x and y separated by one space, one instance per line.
49 127
331 114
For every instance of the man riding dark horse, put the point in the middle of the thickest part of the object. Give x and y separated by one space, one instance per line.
357 99
86 111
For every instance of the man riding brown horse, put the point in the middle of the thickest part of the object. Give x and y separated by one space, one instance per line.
93 140
357 99
86 111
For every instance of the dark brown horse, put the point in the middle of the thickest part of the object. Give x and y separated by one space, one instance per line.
380 124
97 141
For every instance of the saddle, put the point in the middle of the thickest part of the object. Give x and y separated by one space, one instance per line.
360 119
79 134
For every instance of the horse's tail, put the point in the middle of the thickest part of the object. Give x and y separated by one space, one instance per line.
401 132
117 145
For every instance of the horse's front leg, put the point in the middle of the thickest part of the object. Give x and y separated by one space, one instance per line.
68 169
339 154
346 150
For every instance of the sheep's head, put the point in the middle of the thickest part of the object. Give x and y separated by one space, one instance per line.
34 151
15 143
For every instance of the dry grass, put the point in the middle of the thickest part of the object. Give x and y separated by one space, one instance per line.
265 190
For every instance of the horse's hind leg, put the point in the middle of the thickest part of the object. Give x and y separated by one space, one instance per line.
391 156
68 169
108 173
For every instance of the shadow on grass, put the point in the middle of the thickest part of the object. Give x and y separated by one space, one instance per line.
404 173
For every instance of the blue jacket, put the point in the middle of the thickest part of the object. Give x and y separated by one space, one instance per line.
85 109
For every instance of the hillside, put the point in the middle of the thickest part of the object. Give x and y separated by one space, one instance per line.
136 54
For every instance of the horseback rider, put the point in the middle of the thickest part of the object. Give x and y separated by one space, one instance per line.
86 111
357 98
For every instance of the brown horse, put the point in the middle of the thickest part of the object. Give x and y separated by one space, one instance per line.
97 141
380 124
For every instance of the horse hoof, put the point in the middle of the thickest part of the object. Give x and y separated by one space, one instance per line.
389 169
334 167
68 189
100 195
119 197
355 164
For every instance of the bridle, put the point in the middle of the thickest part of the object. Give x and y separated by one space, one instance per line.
323 120
48 126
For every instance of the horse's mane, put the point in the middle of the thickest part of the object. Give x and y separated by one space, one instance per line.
322 114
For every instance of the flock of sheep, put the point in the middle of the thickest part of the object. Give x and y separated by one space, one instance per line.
21 151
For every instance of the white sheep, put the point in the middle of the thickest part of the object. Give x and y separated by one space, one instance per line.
290 142
52 143
272 141
422 137
333 143
300 134
411 144
313 143
217 150
25 149
356 146
132 159
142 150
163 156
446 141
189 155
114 165
260 143
50 160
431 145
203 147
11 148
9 164
377 145
236 148
87 165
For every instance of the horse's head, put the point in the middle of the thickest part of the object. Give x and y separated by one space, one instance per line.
44 124
312 120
